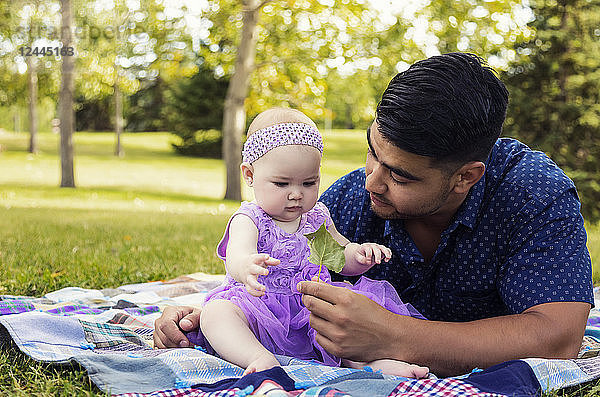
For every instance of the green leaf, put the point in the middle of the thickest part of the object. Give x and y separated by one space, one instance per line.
324 250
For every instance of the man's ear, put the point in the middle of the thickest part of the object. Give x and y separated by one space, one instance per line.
247 173
467 176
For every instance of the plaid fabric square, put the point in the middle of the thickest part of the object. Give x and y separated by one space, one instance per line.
324 391
439 388
590 347
594 317
556 374
14 306
69 310
42 351
192 366
145 321
133 324
310 375
187 392
590 366
142 311
104 335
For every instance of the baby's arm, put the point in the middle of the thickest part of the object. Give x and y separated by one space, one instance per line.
243 263
359 257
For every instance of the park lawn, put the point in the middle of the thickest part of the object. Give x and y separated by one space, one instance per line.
149 216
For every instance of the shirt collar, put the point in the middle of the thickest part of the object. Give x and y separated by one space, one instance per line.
467 212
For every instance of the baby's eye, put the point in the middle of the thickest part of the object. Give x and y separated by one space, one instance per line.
312 183
280 184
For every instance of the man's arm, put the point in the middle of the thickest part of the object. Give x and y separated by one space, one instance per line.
351 326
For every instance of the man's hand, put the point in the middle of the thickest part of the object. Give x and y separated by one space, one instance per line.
169 326
256 266
348 325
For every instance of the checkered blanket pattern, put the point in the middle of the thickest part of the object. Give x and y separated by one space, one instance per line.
439 388
109 332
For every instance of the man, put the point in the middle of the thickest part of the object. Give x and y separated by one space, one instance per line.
487 237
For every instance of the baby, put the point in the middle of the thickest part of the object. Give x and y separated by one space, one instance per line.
258 312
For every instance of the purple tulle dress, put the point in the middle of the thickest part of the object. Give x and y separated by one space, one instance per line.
278 318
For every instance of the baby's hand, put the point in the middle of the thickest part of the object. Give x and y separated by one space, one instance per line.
369 254
257 266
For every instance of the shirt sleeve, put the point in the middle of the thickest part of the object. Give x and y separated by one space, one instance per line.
548 260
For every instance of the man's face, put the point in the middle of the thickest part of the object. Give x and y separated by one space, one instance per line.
403 185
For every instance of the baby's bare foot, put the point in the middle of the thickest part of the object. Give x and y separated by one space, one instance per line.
261 362
399 368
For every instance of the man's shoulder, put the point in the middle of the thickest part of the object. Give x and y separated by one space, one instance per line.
515 168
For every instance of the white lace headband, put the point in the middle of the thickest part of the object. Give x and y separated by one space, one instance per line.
265 139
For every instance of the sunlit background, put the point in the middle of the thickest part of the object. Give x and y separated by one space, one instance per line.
162 68
150 82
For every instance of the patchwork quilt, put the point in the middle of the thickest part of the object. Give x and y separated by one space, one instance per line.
109 332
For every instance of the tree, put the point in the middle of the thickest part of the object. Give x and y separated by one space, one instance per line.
23 26
279 61
33 99
555 92
66 113
146 110
234 113
196 104
126 48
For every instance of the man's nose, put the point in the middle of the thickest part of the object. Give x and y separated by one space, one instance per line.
375 178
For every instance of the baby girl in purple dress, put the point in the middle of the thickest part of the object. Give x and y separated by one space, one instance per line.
258 311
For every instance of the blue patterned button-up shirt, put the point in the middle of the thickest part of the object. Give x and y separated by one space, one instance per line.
517 241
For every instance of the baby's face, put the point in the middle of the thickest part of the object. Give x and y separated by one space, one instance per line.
286 181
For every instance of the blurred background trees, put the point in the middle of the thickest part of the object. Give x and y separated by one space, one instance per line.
159 65
555 92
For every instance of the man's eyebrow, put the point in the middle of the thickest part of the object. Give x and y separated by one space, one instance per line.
398 171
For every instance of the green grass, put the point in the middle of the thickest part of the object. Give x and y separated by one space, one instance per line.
149 216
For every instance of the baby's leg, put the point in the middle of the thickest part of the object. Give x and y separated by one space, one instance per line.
226 328
391 367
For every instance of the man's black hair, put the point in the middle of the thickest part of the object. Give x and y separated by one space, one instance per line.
449 107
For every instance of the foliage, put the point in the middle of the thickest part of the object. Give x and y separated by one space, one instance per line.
351 100
127 42
555 91
195 103
15 118
202 143
588 189
295 39
193 106
27 23
324 250
93 114
144 110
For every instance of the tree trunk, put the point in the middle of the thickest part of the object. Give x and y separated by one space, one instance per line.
33 98
563 71
234 113
66 113
16 120
117 93
118 119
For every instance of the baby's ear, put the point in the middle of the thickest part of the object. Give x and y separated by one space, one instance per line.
247 173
